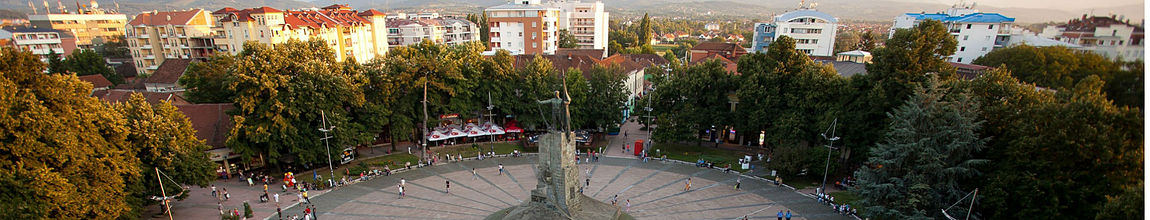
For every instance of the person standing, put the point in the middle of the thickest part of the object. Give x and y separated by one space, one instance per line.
277 199
214 194
628 205
402 181
447 189
305 197
226 195
788 214
780 215
500 169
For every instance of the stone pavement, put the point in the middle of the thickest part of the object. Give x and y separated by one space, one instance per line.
655 191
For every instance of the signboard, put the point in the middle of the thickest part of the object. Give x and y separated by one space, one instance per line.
447 116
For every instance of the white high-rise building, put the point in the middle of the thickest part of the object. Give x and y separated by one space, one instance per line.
524 27
977 33
813 31
586 20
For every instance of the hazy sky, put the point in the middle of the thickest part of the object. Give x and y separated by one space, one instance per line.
1066 5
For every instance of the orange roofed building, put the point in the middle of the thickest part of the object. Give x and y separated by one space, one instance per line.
350 33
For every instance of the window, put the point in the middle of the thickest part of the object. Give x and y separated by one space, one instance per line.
534 44
967 27
991 27
960 59
1121 41
965 37
962 49
520 34
983 48
533 24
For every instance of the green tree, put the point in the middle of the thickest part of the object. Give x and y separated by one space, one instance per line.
1047 168
926 158
1061 68
691 100
55 65
279 96
116 47
645 34
579 90
847 41
66 154
208 82
1127 205
484 27
869 41
607 95
566 39
614 47
162 138
87 62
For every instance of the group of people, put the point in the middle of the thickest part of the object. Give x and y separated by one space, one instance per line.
844 209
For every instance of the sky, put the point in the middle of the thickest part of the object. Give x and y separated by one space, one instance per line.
1065 5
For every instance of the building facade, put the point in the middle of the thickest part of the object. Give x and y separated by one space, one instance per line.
154 37
524 27
90 27
1112 37
350 33
450 31
39 41
587 21
813 31
977 33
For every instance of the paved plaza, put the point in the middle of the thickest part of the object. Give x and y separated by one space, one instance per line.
655 191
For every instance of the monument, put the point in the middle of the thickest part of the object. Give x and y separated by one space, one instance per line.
558 194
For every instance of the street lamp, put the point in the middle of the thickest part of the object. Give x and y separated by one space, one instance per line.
326 143
832 139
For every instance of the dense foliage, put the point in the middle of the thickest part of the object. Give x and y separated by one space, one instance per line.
66 155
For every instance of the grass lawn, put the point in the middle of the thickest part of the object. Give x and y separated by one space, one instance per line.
803 182
395 160
663 47
692 153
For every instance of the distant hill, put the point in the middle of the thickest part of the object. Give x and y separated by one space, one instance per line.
866 10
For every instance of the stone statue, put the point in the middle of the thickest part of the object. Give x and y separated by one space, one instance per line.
556 196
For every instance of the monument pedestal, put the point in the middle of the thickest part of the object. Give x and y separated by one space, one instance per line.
557 194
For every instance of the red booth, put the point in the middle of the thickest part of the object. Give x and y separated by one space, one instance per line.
638 147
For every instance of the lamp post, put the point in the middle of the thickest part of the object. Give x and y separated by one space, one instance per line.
325 129
832 139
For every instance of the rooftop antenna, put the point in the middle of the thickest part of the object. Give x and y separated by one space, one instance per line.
973 4
33 6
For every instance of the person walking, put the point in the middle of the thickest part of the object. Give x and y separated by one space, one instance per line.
628 205
688 187
400 191
780 215
226 195
402 181
447 189
277 199
474 174
738 181
788 214
214 194
500 169
305 198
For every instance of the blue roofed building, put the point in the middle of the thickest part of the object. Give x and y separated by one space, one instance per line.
813 31
977 33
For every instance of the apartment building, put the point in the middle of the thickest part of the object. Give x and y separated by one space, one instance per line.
977 33
1110 36
450 31
350 33
39 41
154 37
524 27
814 32
587 21
90 26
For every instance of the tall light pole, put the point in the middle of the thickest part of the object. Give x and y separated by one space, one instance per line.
325 129
425 138
830 147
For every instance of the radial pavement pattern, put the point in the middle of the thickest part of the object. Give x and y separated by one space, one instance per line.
655 190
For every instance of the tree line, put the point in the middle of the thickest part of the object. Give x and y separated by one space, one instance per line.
918 138
283 91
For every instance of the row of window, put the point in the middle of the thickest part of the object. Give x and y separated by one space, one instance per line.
806 31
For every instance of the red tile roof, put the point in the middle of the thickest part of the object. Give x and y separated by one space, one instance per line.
97 81
225 10
593 53
118 95
169 72
371 12
730 66
165 17
717 46
211 121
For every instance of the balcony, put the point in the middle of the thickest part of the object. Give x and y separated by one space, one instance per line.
142 36
146 46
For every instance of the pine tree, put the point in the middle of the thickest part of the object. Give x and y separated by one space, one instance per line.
55 65
926 157
644 31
